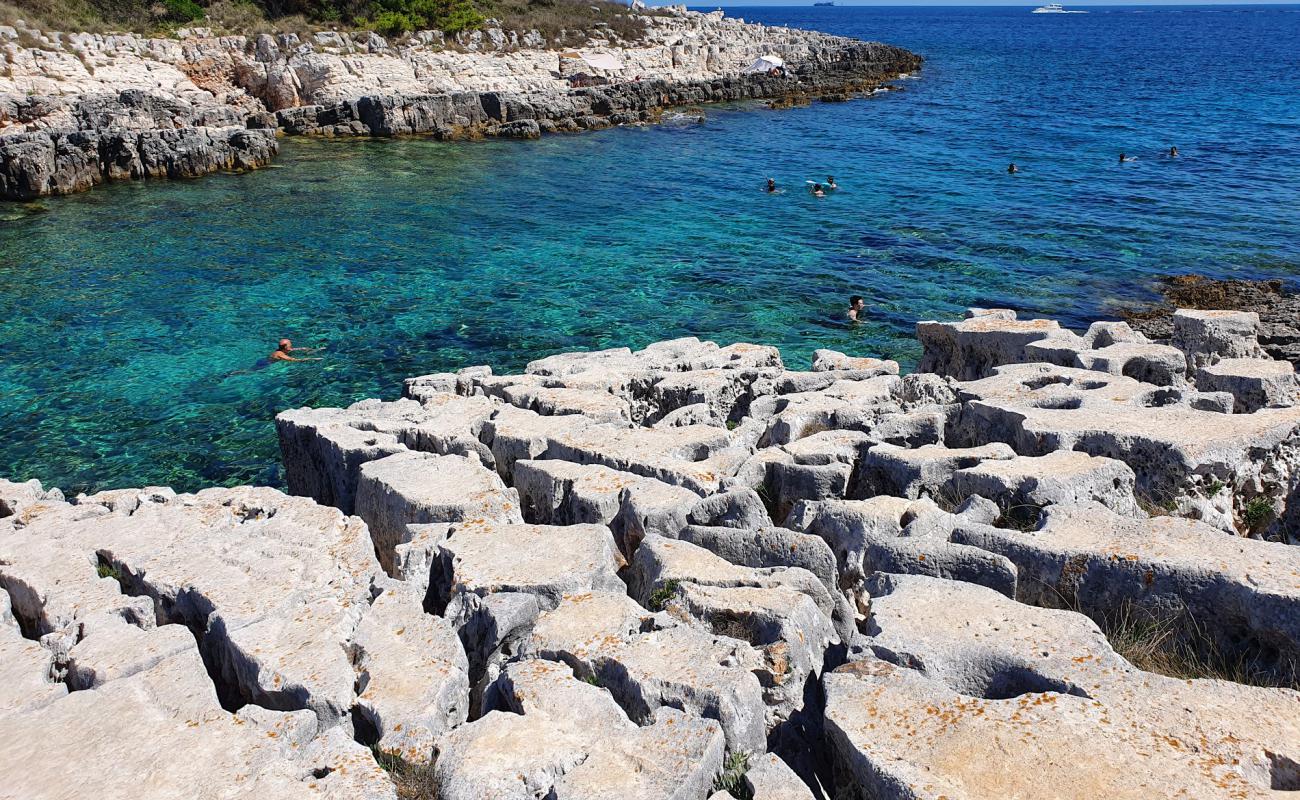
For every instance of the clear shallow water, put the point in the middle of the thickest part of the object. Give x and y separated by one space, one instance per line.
133 315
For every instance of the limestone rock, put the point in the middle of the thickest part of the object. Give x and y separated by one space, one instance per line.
413 677
967 671
562 738
1254 383
417 487
1064 477
1241 592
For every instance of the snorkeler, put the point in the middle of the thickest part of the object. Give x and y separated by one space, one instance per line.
771 185
817 190
831 184
286 347
855 307
1012 169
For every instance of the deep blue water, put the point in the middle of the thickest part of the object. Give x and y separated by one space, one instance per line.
133 314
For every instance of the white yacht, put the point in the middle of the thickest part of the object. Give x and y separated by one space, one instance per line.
1055 8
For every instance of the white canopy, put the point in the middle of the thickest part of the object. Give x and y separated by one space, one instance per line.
765 64
603 61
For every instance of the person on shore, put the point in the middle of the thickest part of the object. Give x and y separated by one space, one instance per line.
771 186
1173 152
286 347
1012 169
831 185
855 307
817 190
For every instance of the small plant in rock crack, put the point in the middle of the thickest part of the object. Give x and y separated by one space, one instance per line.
732 779
593 680
412 781
1021 517
660 597
109 571
1257 512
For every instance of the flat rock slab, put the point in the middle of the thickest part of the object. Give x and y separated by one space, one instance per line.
1065 477
1175 447
546 561
1240 591
160 734
275 585
418 488
562 738
647 666
412 674
991 666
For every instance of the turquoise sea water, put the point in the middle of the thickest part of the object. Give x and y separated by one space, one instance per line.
133 315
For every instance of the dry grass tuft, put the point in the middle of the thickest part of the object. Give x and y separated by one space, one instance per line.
1178 646
412 781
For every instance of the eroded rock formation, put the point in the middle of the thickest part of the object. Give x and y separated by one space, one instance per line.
80 109
628 573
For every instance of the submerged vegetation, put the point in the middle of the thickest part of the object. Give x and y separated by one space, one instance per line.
553 19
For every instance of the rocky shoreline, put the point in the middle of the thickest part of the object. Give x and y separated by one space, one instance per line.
689 571
77 110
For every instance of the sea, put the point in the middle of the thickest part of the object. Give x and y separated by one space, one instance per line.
133 318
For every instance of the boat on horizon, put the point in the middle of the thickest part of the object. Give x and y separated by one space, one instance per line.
1054 8
823 4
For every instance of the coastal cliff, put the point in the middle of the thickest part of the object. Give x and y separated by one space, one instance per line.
669 572
80 109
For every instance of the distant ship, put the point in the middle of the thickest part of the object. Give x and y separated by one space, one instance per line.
823 4
1055 8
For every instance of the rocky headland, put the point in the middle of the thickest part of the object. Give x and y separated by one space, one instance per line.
690 569
80 109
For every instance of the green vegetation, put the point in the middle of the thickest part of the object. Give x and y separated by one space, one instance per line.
660 597
562 22
105 570
732 779
412 781
1257 512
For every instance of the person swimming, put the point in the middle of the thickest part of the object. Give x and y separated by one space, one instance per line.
855 307
1012 169
831 184
817 190
1173 152
1123 158
771 185
286 347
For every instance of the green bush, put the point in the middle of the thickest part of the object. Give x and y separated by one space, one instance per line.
660 597
392 17
183 10
1256 513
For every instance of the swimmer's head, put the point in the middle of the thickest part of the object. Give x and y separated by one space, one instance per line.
286 345
856 301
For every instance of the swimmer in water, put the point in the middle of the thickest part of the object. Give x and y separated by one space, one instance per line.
1012 169
817 190
855 307
1173 152
831 184
1123 158
286 347
771 185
